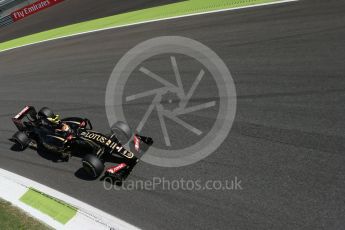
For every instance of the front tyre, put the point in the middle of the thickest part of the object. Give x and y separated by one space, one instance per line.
93 166
122 131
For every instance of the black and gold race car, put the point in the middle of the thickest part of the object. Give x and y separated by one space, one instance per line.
75 136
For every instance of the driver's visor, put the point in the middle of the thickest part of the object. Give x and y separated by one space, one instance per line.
55 120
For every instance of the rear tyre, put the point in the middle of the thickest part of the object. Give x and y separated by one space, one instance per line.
93 166
45 113
21 139
122 131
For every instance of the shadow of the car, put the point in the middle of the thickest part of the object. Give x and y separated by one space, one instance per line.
81 174
44 153
16 148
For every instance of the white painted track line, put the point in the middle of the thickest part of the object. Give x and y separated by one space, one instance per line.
13 186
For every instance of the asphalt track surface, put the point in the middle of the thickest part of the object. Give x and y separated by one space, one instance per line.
286 145
74 11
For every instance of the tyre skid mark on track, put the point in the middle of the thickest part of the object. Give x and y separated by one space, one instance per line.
281 38
291 94
50 167
297 138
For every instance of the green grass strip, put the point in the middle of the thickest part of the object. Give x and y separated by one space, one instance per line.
13 218
160 12
54 208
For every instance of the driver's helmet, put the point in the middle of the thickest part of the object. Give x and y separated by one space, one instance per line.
54 121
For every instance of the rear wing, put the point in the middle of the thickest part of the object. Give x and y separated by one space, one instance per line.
28 110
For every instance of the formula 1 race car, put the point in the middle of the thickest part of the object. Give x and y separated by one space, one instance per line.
75 136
